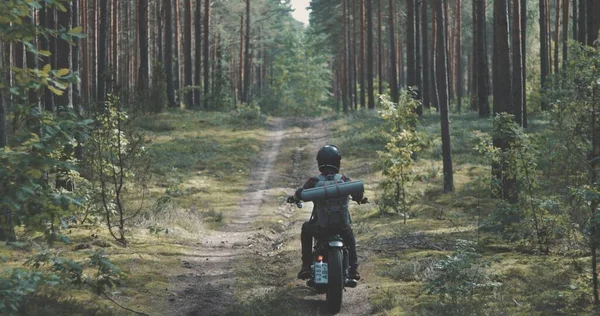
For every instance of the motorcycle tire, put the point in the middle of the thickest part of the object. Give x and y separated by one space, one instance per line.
335 287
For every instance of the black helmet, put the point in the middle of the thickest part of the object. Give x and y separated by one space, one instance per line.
329 157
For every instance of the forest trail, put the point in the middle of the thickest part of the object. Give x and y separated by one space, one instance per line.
212 285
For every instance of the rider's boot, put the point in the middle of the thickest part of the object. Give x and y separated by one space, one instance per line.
353 273
305 272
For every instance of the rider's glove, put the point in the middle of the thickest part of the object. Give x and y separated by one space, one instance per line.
291 199
363 201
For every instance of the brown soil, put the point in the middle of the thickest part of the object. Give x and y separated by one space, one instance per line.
210 287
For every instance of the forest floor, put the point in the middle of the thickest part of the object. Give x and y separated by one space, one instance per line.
248 265
226 243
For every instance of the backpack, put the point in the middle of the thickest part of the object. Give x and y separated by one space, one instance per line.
333 212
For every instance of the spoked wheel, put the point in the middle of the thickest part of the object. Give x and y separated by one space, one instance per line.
335 288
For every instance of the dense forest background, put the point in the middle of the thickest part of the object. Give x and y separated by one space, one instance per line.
132 128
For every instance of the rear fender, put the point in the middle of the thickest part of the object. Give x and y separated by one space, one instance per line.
335 244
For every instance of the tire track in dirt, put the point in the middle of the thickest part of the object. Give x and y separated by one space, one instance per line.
208 289
355 301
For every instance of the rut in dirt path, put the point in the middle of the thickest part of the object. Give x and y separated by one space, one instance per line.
208 288
355 301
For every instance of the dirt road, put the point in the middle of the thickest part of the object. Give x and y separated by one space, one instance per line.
248 267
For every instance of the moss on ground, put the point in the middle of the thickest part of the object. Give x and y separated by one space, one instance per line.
400 256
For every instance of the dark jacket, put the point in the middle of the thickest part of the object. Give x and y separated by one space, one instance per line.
310 183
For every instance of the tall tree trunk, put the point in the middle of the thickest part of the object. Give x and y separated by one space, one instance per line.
411 79
76 57
458 54
503 96
593 23
176 50
582 24
523 15
517 75
206 47
63 55
418 56
425 94
169 53
380 47
557 36
363 53
103 69
574 19
483 84
144 51
475 57
355 61
592 32
160 14
47 19
3 113
247 55
370 57
187 52
345 59
241 59
394 83
544 63
565 41
442 91
198 51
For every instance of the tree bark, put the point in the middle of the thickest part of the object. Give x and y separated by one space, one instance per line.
418 56
103 69
411 79
517 74
565 40
557 36
187 52
458 53
394 81
482 61
169 53
503 93
46 15
544 63
380 47
523 15
425 94
582 23
363 53
370 57
474 58
205 47
144 51
63 55
198 52
442 91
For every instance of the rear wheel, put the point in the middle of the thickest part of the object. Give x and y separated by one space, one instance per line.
335 287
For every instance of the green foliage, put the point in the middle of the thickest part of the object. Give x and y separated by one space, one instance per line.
118 164
49 269
299 77
404 142
462 280
537 219
247 115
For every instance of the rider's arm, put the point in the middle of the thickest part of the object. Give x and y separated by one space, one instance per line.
308 185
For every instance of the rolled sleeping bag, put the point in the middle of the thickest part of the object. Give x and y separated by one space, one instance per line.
334 190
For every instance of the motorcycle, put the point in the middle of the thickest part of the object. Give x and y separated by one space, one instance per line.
331 264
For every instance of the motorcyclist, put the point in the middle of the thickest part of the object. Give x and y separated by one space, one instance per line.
328 159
